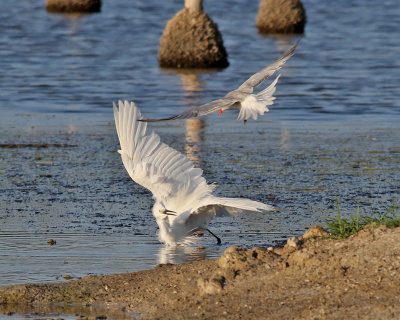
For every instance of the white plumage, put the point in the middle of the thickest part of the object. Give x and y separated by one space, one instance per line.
256 104
250 104
184 202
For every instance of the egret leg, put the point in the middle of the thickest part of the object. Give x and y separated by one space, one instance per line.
216 237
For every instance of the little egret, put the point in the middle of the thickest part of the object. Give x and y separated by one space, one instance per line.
184 202
250 105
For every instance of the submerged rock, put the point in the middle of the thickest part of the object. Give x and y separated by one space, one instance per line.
192 40
73 6
281 16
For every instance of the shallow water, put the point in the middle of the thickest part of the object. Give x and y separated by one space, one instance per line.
332 135
65 312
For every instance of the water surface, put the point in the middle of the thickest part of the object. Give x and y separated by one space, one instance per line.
332 135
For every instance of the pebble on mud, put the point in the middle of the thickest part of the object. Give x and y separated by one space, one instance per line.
73 6
192 40
51 242
281 16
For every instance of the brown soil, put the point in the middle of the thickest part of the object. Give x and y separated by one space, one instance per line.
281 16
309 278
192 40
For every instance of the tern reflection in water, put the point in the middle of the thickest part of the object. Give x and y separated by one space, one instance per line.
194 127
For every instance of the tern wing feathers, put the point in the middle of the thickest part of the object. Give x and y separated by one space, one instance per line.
257 78
167 173
199 111
235 96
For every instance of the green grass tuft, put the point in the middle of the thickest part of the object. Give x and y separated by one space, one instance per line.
345 227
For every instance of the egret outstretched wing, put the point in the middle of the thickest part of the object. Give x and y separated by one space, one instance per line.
239 95
167 173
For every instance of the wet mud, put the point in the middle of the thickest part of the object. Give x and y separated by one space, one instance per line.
310 277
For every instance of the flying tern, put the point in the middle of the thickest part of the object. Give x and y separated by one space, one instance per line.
184 201
250 104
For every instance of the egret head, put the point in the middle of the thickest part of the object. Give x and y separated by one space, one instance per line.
159 210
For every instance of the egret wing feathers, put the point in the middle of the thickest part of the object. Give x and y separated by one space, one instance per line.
151 163
230 206
172 178
220 207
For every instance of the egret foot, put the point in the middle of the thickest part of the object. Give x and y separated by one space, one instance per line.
216 237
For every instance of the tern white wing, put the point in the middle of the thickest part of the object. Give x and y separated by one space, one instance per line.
199 111
257 78
241 97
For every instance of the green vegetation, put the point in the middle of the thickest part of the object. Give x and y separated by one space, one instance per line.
345 227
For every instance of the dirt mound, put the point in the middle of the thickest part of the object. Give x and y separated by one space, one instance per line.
192 40
73 6
311 277
281 16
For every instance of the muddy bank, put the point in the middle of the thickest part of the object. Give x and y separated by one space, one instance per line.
310 278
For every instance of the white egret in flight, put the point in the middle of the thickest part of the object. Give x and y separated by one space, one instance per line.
250 104
184 202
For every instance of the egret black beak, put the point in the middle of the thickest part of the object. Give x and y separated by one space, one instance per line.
169 212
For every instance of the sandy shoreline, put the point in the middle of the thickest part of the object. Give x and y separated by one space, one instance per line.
314 278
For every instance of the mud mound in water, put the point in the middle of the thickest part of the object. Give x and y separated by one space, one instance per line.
192 40
281 16
73 6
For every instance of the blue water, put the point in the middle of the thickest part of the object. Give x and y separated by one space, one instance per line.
332 135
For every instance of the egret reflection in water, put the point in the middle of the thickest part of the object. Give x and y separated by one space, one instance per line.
180 254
